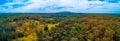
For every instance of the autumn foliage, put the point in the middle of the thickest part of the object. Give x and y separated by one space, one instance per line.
59 27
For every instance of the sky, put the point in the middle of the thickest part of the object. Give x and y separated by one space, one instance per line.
54 6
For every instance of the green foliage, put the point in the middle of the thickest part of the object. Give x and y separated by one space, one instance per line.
46 28
71 27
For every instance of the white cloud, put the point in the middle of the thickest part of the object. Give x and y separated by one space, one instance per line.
83 6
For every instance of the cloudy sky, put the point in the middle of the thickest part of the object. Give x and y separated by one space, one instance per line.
53 6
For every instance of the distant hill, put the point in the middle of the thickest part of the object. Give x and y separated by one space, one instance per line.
65 12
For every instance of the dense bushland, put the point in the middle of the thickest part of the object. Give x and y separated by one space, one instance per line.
59 27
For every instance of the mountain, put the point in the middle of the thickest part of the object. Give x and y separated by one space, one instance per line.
65 12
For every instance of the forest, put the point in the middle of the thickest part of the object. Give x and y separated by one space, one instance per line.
59 27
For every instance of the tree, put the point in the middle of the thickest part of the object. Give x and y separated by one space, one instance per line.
46 28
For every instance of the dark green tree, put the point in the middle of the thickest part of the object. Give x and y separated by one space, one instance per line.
46 28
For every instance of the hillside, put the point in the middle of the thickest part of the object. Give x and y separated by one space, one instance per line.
60 27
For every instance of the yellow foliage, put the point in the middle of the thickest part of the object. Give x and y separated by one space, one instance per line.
50 26
31 37
29 26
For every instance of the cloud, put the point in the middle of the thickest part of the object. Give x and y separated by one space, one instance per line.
48 6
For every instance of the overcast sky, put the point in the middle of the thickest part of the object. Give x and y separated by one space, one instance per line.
53 6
